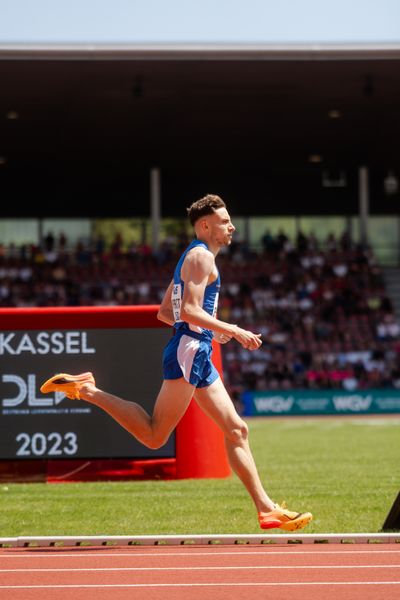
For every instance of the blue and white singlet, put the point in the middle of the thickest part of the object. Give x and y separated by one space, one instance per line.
188 353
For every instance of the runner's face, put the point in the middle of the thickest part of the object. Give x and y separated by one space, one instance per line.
221 227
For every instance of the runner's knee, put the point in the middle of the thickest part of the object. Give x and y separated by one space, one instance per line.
157 440
239 433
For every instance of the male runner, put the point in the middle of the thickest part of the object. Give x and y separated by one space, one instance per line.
190 306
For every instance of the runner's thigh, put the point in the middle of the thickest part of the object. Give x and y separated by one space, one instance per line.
215 401
172 401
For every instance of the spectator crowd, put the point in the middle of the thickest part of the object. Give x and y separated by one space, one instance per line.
324 315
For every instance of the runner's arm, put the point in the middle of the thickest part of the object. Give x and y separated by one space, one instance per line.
196 271
165 313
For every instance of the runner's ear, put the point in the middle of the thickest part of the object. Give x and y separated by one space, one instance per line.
202 225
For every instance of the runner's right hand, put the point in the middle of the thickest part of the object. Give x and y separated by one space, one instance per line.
247 339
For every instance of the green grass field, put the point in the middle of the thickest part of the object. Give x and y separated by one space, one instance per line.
345 471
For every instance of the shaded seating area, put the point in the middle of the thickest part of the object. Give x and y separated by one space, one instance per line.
324 313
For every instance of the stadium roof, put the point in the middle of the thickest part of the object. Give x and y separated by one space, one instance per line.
213 51
260 124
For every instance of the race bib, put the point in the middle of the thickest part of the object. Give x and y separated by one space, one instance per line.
176 300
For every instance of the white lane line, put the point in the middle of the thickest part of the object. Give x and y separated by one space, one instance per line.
185 585
160 554
206 568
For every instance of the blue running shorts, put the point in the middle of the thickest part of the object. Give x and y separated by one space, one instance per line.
189 357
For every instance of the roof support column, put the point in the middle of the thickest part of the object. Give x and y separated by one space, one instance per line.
363 202
155 207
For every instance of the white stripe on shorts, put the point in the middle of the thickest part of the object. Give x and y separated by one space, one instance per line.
187 349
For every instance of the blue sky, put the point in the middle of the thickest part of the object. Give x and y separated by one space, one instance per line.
202 21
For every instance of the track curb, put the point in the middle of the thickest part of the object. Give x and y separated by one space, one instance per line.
199 539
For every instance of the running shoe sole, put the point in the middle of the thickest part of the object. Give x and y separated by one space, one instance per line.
300 521
68 384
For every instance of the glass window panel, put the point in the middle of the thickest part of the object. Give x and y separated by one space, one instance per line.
74 230
355 229
19 231
383 237
258 226
130 230
174 229
240 224
323 226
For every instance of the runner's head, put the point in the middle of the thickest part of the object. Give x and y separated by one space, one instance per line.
204 207
212 222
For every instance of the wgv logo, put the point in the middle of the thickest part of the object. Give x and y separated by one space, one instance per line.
274 404
26 390
352 403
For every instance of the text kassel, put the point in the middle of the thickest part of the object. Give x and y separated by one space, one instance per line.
56 342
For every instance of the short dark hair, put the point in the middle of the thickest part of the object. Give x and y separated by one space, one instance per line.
205 206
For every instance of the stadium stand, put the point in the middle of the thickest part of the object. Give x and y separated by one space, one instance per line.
325 316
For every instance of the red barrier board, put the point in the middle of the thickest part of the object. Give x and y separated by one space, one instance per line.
199 444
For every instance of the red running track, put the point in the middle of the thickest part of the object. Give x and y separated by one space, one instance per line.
331 572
